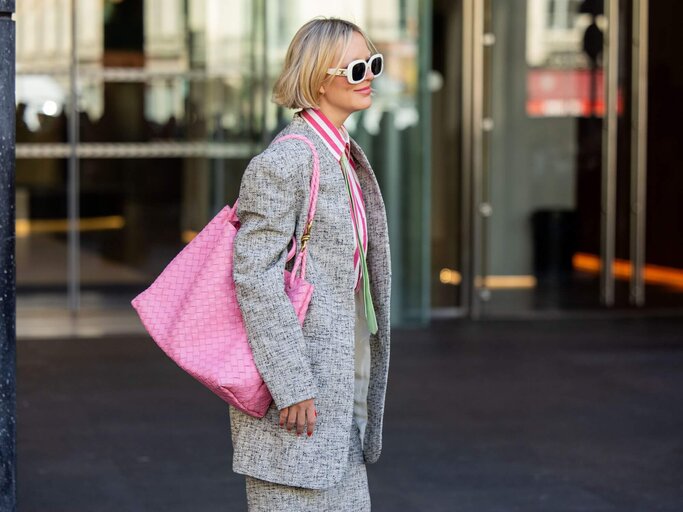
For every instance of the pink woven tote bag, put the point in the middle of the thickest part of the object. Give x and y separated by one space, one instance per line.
191 309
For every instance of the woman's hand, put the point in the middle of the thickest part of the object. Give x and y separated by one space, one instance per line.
299 414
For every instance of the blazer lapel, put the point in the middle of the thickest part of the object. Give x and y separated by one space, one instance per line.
378 256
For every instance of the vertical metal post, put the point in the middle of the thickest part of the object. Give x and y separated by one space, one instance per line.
638 150
265 85
477 152
425 109
609 152
8 396
473 147
467 256
73 269
253 69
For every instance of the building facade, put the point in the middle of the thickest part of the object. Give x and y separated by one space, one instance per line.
526 149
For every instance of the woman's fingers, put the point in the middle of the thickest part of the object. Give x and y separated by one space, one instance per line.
283 416
312 418
291 419
299 416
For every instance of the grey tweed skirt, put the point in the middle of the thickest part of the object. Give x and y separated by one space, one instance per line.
352 493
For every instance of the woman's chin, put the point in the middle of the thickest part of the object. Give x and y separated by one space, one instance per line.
363 104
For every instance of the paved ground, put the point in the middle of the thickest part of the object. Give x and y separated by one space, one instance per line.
558 415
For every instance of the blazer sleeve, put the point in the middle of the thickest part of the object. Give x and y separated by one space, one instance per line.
269 200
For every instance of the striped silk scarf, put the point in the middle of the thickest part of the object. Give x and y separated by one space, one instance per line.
369 307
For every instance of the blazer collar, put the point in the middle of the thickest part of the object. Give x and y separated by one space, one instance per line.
298 124
361 159
334 139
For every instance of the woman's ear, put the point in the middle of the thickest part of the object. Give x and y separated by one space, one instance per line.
321 90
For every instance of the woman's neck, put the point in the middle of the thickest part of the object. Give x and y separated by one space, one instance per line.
336 117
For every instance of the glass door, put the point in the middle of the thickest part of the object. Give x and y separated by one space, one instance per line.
542 152
446 84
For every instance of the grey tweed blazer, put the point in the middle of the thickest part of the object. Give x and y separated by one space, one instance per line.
315 360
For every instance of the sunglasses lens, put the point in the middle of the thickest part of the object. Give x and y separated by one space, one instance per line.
377 65
358 72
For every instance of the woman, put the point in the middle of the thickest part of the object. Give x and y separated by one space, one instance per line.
328 377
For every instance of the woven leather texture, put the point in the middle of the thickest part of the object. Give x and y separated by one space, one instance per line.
191 312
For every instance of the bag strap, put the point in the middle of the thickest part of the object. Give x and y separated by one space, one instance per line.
313 201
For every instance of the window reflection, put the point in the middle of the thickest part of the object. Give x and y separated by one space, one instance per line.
173 100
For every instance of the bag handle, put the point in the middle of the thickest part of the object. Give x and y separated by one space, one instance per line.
313 201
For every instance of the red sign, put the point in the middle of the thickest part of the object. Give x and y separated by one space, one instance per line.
567 93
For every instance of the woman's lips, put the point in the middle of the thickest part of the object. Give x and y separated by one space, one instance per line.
365 90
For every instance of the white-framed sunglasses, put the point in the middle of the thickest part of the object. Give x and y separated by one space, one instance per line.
356 70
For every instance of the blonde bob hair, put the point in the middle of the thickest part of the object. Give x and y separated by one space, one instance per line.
308 57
